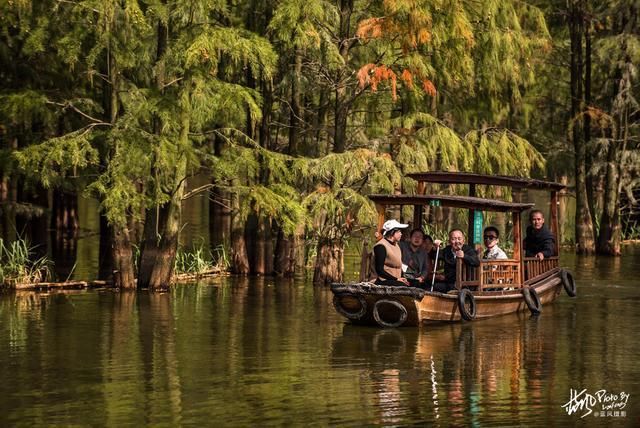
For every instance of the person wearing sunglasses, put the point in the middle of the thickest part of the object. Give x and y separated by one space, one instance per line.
491 239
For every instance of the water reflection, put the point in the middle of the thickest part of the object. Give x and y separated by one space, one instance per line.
264 351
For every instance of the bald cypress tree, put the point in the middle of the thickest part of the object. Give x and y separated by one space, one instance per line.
164 89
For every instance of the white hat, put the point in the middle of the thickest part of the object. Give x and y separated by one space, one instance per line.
392 224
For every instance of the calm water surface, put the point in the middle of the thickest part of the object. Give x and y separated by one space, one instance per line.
254 352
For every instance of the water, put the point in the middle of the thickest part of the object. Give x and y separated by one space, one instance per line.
255 352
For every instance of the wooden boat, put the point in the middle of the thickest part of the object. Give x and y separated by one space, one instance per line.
494 288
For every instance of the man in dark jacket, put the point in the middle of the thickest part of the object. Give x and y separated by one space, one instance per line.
539 241
456 249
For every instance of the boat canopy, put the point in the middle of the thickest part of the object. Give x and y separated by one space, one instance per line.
468 202
446 177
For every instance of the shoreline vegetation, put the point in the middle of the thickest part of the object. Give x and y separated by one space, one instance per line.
191 267
20 269
292 112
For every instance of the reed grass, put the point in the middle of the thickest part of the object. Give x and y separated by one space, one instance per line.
19 266
200 260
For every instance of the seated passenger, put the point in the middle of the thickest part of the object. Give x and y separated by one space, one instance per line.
456 249
415 258
491 239
429 247
539 241
388 257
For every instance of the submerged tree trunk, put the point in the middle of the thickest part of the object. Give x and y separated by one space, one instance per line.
162 224
585 242
329 265
105 253
239 256
284 258
261 242
610 234
122 257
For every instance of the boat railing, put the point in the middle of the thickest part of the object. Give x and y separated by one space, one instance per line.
534 267
494 274
466 276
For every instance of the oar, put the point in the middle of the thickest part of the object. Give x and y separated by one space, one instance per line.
435 263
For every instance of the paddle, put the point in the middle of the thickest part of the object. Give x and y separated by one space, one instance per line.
437 242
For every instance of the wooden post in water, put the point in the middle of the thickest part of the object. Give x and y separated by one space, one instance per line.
380 209
553 213
417 216
422 186
517 245
364 262
472 213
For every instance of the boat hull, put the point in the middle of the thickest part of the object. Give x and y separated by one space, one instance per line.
425 307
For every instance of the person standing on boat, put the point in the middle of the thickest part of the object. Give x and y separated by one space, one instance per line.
388 256
456 249
415 258
539 242
491 238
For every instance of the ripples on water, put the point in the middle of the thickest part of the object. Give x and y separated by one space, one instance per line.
244 352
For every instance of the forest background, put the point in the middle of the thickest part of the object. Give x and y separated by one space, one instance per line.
295 110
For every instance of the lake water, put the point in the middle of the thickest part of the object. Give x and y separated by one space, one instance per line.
261 351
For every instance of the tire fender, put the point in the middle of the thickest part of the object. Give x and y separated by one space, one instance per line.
568 283
466 297
385 323
532 300
355 315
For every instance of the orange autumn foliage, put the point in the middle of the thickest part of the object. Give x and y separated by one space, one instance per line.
372 74
429 87
371 28
407 78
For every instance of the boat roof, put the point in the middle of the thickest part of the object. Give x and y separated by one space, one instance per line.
468 202
491 180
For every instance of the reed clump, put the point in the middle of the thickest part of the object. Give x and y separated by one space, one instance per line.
18 264
198 261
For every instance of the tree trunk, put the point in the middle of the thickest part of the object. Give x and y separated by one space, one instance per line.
105 253
239 256
610 235
122 256
592 195
341 109
158 250
282 251
260 257
295 124
585 242
329 265
563 198
8 207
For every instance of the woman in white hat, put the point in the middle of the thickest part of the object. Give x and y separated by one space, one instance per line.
387 255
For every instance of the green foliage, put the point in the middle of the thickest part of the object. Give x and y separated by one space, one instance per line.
58 157
342 181
501 152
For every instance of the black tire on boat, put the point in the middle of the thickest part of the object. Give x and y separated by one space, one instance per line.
390 324
465 297
355 315
532 300
569 283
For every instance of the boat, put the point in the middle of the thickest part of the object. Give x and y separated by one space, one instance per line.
494 288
